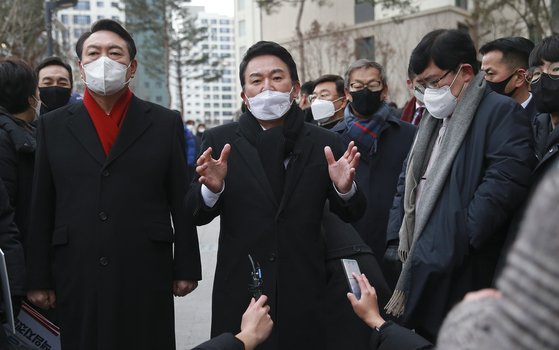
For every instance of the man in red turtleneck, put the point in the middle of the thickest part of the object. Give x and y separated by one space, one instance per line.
108 203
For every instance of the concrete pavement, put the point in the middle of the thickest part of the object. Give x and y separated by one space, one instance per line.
193 312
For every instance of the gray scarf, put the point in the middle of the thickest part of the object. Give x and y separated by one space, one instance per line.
415 219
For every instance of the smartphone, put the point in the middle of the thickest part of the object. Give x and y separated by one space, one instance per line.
351 266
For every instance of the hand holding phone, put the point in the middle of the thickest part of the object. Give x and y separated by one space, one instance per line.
351 266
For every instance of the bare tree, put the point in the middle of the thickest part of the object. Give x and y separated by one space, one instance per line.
273 5
22 27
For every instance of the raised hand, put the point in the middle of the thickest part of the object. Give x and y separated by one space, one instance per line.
342 171
213 171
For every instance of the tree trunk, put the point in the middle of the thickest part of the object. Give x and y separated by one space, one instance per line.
302 69
554 21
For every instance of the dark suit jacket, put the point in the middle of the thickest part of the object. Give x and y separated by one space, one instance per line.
283 236
102 234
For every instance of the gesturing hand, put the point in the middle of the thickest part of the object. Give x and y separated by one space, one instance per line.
212 172
342 171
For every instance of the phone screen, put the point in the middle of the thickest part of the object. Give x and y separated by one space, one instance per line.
351 266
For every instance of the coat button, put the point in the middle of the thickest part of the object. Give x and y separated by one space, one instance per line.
104 261
356 249
272 257
103 216
105 173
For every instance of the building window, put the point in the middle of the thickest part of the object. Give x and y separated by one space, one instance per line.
227 105
82 19
242 27
114 4
82 5
365 48
159 85
158 99
364 11
462 4
115 18
64 19
100 4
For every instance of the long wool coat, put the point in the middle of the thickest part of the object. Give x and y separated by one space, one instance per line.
283 236
101 232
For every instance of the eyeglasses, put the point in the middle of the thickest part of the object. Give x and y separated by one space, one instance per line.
552 72
374 86
434 84
326 97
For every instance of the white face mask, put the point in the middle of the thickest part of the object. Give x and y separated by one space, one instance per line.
441 102
418 95
269 105
322 110
105 76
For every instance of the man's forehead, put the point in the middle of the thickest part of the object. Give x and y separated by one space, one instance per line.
325 86
431 72
53 70
105 38
266 63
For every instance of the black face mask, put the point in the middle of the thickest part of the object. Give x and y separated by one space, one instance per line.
365 102
500 86
546 94
54 97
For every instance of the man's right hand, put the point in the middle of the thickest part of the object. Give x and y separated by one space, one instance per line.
212 172
44 299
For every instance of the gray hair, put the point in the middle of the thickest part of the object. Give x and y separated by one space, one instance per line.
364 63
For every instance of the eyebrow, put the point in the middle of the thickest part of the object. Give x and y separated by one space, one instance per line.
98 47
359 81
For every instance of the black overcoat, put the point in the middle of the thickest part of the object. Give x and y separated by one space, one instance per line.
284 237
101 232
17 157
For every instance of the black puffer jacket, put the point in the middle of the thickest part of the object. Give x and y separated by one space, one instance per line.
17 158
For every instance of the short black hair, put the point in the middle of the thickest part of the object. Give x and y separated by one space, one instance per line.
446 48
547 49
515 49
308 87
411 73
111 26
336 79
55 61
268 48
18 82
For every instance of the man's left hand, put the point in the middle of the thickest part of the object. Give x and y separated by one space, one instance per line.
342 171
183 287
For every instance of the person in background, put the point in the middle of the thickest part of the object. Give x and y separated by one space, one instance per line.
383 141
304 103
200 130
112 241
55 83
544 66
414 108
467 173
505 63
192 148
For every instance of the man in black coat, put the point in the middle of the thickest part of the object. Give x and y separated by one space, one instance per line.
505 63
268 176
108 204
384 142
467 172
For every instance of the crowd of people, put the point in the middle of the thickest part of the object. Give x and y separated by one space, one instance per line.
447 205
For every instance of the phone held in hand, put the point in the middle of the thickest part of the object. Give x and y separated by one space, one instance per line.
351 266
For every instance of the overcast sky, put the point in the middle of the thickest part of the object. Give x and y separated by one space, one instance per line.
221 7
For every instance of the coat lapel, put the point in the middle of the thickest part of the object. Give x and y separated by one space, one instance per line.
135 122
250 155
301 152
83 130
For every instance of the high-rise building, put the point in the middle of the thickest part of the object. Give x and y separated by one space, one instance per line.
212 102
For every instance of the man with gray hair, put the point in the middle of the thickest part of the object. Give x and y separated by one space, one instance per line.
383 141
